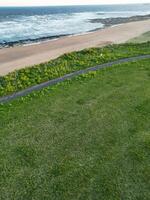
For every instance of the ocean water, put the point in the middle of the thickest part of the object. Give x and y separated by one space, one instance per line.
30 24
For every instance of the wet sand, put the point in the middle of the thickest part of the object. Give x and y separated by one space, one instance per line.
24 56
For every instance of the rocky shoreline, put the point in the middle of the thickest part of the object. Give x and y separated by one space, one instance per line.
107 22
119 20
29 41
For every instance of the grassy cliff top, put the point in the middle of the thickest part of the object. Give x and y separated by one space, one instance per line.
83 139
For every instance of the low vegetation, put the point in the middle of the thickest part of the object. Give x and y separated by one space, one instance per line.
142 38
67 63
87 138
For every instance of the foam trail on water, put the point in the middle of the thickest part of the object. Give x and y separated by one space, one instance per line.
27 25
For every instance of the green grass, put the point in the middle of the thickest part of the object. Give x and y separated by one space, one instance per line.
85 139
142 38
68 63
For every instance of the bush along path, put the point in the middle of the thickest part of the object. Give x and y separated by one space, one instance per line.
69 76
68 63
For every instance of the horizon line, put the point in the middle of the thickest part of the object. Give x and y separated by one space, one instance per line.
72 5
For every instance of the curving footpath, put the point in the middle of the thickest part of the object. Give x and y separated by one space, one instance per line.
69 76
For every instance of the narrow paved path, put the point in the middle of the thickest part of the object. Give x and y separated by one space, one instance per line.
69 76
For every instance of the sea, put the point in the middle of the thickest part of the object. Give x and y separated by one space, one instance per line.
34 24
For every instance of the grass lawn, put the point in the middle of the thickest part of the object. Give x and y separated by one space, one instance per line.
142 38
85 139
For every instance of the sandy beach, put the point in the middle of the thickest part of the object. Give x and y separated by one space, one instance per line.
24 56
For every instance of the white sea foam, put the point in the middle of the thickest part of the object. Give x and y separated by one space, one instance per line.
31 27
37 26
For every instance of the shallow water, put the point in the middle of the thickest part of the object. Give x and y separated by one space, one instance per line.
30 24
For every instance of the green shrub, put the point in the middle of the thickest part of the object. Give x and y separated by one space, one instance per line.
23 78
